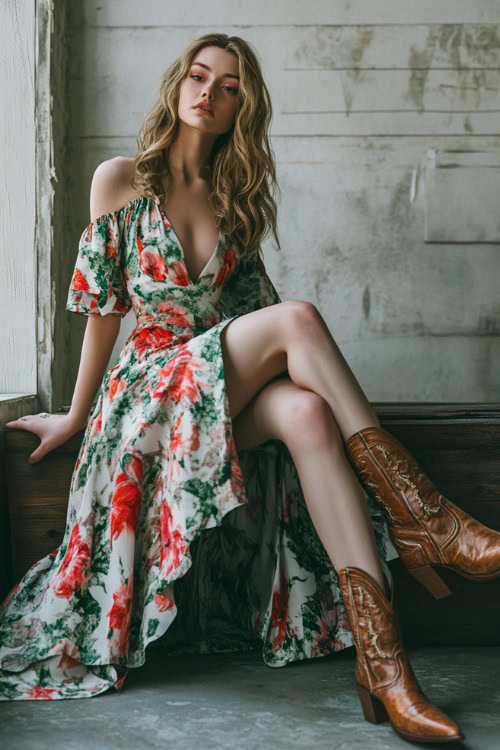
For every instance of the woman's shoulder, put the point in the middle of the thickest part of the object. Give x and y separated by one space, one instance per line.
111 188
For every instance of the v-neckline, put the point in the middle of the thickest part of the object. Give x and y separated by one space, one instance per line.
209 261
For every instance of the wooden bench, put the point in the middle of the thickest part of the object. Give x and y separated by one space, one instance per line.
457 445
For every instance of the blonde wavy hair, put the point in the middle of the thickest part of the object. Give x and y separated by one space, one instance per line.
242 165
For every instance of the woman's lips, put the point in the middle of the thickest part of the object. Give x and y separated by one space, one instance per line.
203 111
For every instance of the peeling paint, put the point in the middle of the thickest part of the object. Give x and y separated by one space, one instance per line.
481 44
352 76
366 302
467 125
398 211
419 63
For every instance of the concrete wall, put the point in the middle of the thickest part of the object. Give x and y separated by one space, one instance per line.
386 134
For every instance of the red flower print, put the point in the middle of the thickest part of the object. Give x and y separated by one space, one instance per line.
173 544
120 306
94 307
154 337
119 614
227 266
70 655
95 427
178 273
116 384
163 603
111 244
333 620
322 642
279 615
165 220
77 465
212 320
177 380
176 316
74 568
237 482
126 498
41 693
151 262
120 611
169 316
179 446
79 281
175 447
194 439
152 553
119 683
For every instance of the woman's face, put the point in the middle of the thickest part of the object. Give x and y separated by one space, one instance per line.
212 79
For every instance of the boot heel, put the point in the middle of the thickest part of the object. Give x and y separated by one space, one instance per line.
433 582
373 709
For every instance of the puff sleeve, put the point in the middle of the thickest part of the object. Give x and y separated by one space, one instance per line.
98 285
248 288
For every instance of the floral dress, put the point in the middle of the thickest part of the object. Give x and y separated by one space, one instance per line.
173 539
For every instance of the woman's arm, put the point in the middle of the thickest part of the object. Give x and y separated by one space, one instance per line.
106 195
98 342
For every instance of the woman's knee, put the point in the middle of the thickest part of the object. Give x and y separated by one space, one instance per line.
300 316
309 423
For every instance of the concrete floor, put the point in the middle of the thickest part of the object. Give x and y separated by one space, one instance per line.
236 702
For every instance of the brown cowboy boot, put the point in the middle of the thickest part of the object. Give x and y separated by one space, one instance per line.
385 680
426 528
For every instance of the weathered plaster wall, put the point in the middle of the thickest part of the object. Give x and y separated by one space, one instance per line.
18 372
375 104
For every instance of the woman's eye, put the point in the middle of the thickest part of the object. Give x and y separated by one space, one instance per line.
230 88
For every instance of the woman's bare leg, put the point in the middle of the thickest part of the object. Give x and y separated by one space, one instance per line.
300 406
335 500
263 344
315 362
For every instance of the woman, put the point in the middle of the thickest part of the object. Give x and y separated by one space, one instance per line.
223 397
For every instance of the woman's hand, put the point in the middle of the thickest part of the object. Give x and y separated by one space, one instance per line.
53 430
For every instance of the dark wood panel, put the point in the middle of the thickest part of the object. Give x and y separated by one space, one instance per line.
407 410
37 501
470 616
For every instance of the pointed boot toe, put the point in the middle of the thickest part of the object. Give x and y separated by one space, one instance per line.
430 724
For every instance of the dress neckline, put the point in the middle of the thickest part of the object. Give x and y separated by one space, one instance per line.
162 213
209 261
